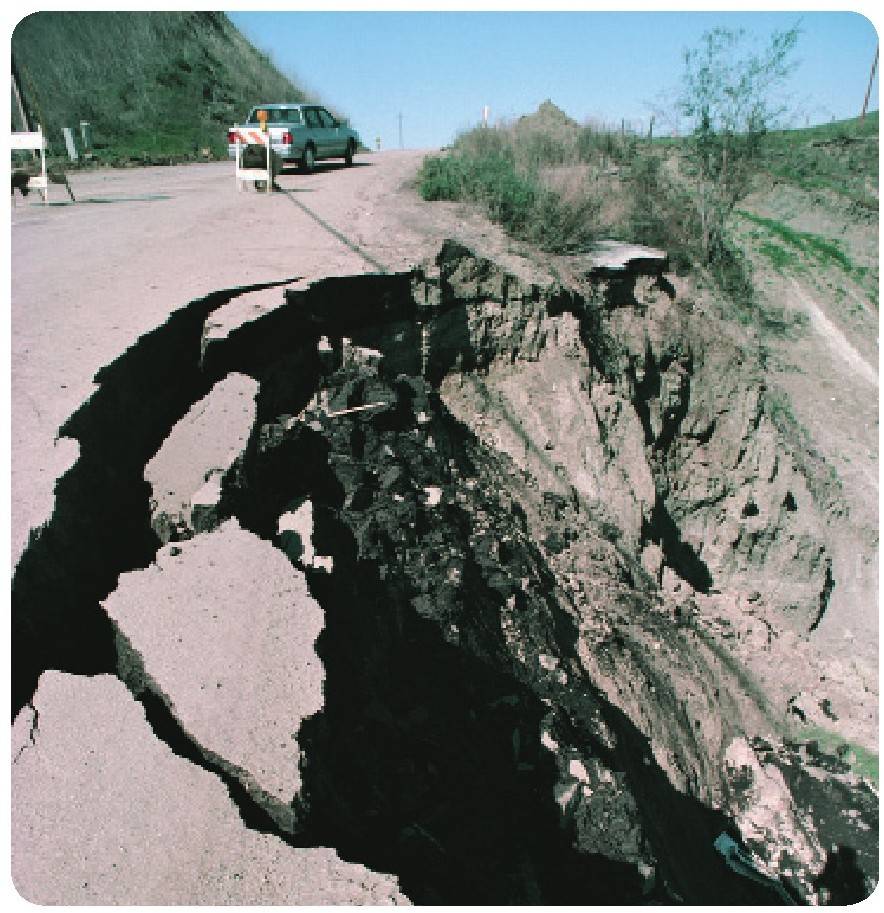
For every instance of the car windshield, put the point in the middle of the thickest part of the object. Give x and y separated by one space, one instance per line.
277 116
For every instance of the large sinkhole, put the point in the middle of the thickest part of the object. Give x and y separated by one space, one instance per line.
459 745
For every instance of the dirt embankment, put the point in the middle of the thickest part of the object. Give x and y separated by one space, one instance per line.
570 569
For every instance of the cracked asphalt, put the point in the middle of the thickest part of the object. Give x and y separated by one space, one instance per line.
89 278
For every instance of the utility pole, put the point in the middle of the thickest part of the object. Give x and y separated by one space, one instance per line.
871 80
400 130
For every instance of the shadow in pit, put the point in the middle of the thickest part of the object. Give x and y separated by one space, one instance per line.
426 761
843 878
678 554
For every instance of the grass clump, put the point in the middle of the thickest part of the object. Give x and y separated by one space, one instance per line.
813 246
862 762
780 258
490 168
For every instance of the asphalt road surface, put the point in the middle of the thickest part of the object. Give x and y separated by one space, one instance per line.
88 279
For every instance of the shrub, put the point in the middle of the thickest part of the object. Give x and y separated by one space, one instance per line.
483 167
441 178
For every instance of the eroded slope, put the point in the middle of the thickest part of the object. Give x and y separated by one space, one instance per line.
569 571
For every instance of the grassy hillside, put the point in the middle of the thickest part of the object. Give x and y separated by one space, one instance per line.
560 185
841 158
154 86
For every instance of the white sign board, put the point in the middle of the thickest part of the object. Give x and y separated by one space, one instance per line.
28 141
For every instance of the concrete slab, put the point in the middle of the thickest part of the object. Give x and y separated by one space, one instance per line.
224 627
104 813
199 449
244 309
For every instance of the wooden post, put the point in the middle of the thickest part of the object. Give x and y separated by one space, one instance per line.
69 143
238 181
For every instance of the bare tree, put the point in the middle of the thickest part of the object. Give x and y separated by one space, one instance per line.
728 95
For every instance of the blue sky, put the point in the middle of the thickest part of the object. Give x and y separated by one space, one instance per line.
438 69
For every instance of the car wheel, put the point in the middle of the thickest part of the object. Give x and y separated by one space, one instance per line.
348 155
309 159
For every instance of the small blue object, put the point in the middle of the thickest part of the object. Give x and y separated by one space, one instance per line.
739 861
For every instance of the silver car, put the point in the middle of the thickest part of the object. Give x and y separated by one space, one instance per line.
299 134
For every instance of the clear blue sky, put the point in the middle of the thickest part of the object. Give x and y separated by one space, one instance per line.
438 69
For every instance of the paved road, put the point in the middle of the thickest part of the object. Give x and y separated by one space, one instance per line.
89 279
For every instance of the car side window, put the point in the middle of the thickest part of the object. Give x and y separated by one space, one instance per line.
326 118
311 117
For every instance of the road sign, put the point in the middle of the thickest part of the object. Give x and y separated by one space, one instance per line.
31 141
251 137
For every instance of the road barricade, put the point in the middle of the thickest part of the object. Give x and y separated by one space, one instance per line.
247 156
31 142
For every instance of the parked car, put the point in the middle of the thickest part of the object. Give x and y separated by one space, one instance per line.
301 134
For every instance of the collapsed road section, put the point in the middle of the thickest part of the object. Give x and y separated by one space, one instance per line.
516 512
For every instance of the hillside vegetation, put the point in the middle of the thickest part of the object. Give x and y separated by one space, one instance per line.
155 86
553 182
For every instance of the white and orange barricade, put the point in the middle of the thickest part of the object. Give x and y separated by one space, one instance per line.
254 136
31 142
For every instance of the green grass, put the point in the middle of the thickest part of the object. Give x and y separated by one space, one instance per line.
779 257
814 247
514 198
837 158
163 84
862 762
